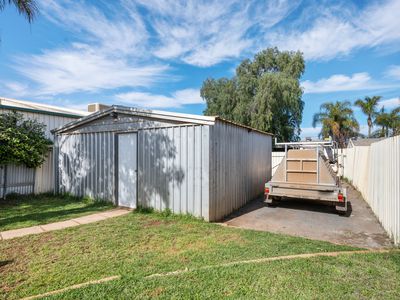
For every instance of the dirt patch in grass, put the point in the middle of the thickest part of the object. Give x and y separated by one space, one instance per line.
154 223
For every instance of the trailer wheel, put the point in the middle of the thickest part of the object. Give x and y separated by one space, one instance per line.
342 209
273 201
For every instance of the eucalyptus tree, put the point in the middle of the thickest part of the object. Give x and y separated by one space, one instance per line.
369 107
337 120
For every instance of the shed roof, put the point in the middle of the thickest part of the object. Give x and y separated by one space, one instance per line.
155 114
34 107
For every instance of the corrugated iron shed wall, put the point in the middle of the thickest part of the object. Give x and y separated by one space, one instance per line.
173 169
85 157
240 164
207 171
86 164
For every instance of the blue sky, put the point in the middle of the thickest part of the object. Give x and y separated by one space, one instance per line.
156 54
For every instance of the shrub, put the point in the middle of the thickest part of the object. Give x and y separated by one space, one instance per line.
22 141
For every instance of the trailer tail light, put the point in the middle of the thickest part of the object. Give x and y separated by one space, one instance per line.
340 197
266 190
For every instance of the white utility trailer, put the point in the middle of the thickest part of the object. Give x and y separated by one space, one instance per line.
308 171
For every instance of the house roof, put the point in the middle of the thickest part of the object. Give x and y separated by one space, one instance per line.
365 142
34 107
155 114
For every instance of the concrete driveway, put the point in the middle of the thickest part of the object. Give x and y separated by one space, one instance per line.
315 221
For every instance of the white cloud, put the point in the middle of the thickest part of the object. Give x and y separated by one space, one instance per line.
125 32
337 32
148 100
204 33
394 72
16 88
74 70
120 47
390 103
108 53
341 82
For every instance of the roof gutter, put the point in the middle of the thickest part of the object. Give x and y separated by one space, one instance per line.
39 111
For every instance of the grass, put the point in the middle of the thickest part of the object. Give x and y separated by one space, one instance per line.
348 277
140 244
25 211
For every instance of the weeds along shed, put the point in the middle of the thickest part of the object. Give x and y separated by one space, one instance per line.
204 166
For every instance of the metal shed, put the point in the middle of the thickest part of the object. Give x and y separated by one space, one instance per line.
204 166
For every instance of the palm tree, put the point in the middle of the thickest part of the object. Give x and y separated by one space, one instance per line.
382 119
28 8
395 115
389 122
368 107
337 121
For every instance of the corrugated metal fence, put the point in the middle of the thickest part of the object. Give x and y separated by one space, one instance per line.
16 179
22 180
375 171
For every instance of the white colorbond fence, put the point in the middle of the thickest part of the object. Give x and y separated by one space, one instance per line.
375 171
276 160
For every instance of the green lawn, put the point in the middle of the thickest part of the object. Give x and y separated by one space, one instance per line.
140 244
24 211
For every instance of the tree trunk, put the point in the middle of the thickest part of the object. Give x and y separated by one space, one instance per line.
369 126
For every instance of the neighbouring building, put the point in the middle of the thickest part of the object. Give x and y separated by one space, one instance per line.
22 180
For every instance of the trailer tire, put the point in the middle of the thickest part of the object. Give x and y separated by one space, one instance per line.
342 211
273 202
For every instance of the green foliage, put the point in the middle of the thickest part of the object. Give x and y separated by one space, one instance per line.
265 93
337 121
369 108
22 141
144 210
389 123
27 8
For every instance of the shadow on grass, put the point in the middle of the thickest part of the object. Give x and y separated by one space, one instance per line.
25 211
42 218
5 262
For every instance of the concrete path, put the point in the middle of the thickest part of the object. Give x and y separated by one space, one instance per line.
360 228
10 234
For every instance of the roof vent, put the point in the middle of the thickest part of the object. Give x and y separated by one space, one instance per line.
93 107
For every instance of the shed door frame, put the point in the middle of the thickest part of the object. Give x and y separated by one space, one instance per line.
118 134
